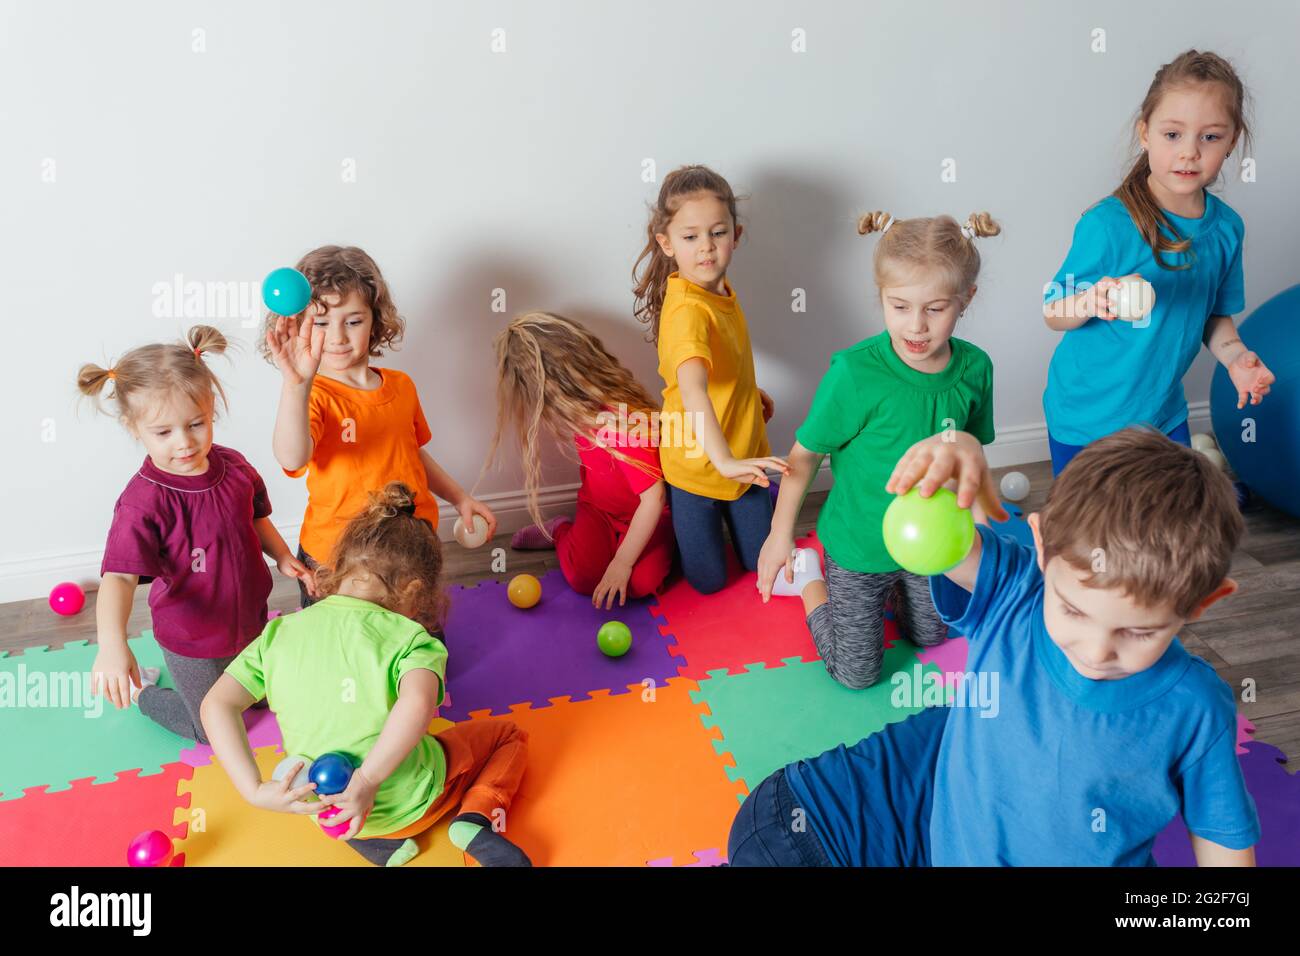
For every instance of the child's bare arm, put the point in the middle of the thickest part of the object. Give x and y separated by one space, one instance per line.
115 669
444 486
939 459
774 558
297 354
1070 312
222 715
408 721
1209 853
693 381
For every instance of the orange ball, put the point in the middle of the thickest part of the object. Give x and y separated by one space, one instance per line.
524 591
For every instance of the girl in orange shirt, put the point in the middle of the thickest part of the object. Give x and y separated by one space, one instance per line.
351 427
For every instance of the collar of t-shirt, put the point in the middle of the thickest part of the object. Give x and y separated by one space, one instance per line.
204 482
724 303
926 381
386 391
1191 228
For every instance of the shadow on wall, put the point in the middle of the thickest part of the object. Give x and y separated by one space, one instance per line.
800 232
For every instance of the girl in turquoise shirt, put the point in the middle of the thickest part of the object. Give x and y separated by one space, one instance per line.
1162 226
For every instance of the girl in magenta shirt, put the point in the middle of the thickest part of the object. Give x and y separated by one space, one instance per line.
193 522
554 374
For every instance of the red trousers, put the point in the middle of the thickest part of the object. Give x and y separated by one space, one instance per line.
585 548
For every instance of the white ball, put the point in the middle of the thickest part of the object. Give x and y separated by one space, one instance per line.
1215 456
284 766
1203 440
1015 486
471 539
1134 298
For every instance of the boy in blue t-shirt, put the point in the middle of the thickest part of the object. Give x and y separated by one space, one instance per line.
1101 726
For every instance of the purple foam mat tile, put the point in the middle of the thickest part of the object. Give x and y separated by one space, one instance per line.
499 655
263 731
1277 800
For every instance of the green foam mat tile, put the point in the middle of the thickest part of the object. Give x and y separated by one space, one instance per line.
52 732
771 716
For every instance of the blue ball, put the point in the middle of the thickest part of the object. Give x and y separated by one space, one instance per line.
286 291
1262 442
331 772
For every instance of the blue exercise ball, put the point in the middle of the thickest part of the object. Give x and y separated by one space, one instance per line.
286 291
331 772
1262 442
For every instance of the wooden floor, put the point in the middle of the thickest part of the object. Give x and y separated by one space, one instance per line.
1250 637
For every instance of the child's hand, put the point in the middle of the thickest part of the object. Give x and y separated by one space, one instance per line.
932 462
297 355
282 797
776 558
1095 303
114 672
613 583
355 802
1251 378
752 471
291 567
769 406
469 507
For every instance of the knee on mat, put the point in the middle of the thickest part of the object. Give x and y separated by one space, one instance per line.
855 679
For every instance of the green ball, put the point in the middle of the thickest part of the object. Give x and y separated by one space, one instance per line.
928 535
614 639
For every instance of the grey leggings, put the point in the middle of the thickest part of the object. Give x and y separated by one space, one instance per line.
178 710
849 629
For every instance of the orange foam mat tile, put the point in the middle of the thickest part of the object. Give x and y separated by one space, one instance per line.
621 780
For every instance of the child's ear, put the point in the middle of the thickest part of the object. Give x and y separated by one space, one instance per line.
739 230
665 246
1032 520
1226 586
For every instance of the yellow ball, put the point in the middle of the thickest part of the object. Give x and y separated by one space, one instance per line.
524 591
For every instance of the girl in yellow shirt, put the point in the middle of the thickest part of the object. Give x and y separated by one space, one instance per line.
713 440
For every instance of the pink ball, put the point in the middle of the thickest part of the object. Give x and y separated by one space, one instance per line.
337 830
67 599
151 848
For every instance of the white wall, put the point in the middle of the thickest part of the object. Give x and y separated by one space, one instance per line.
522 170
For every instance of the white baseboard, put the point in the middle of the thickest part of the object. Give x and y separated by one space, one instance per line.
25 578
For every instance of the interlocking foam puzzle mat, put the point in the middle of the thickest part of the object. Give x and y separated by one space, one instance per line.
635 761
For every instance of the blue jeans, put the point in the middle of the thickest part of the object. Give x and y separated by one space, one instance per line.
697 522
1063 453
764 834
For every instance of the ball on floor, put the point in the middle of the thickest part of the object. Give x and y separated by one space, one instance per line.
524 591
1014 486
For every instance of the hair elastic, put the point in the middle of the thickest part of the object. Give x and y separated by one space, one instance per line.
968 231
888 226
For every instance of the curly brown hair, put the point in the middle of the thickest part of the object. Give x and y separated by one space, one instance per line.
388 542
340 271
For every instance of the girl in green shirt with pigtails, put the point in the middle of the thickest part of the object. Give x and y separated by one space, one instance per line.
878 398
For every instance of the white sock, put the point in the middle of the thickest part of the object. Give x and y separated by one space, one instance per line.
148 677
807 567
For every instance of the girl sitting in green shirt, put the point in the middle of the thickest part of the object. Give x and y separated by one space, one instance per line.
879 398
362 672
